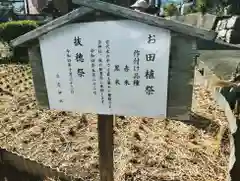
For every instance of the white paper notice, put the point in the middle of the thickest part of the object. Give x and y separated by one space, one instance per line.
112 67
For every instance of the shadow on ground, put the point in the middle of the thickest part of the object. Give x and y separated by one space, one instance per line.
8 173
201 122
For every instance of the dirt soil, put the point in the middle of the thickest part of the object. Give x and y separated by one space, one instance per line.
145 149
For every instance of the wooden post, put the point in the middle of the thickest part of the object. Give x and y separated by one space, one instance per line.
105 141
105 133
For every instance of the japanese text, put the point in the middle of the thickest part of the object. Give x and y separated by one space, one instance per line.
69 63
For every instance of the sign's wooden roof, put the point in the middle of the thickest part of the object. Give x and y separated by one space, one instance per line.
92 5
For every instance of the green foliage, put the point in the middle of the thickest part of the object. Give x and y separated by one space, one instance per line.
14 29
191 10
203 5
171 10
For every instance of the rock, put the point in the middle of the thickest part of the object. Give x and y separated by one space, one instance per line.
223 24
218 26
5 50
233 23
222 34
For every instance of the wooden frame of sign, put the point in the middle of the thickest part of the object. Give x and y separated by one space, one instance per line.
181 65
180 72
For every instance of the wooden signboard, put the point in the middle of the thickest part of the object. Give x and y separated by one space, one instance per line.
113 67
140 65
173 70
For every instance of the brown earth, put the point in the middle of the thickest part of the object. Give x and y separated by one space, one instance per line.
145 149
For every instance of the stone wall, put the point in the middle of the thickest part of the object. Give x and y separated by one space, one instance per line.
228 29
206 21
5 51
